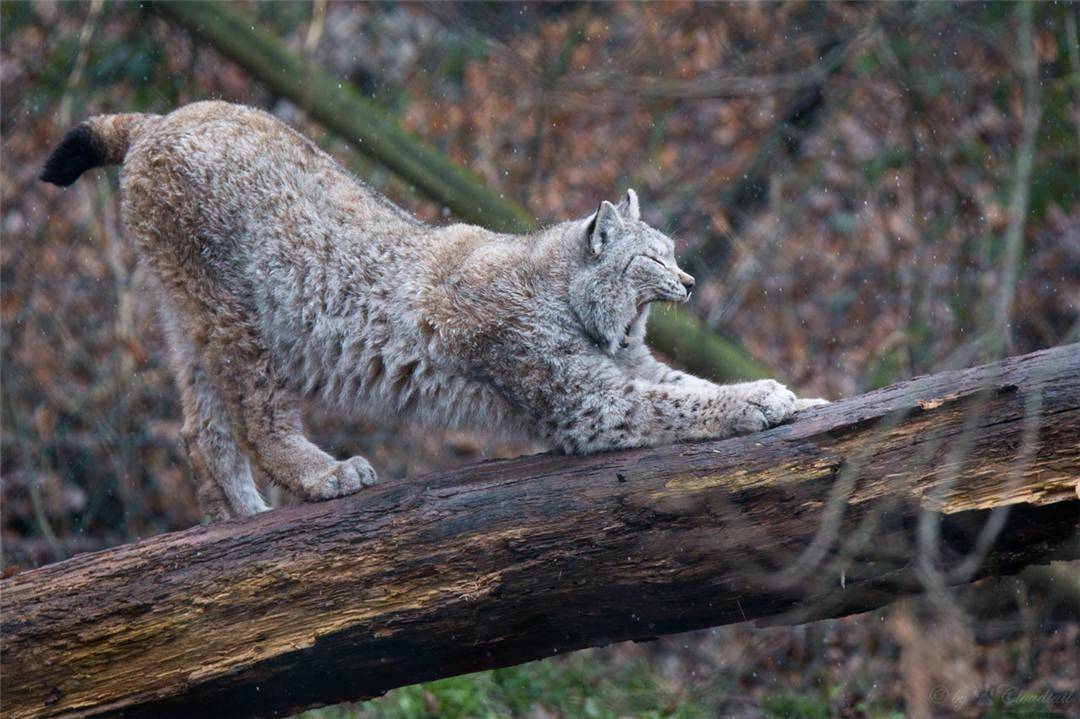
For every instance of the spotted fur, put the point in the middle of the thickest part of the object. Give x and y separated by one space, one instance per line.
281 276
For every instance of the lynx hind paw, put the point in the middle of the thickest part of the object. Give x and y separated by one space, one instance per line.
344 478
807 403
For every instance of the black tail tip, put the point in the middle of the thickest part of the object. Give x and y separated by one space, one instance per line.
77 152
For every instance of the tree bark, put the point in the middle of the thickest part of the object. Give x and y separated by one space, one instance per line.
370 131
853 505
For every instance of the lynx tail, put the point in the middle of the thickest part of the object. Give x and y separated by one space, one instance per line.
99 141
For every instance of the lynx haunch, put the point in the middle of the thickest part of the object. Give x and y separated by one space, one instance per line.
281 275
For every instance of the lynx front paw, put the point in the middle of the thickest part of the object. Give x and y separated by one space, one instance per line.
766 404
806 403
346 477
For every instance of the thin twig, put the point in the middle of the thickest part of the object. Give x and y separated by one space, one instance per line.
315 29
75 77
1018 203
1074 64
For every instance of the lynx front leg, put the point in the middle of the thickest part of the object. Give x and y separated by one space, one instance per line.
640 363
802 403
754 406
640 413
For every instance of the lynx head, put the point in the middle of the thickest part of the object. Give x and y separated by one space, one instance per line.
625 265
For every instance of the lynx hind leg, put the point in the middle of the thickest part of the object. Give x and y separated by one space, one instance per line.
267 417
223 478
212 501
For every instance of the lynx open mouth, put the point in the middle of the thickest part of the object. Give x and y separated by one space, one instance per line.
630 325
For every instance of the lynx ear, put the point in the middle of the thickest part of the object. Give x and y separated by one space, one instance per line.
629 206
603 226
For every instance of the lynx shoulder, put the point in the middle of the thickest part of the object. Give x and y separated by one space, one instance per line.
282 276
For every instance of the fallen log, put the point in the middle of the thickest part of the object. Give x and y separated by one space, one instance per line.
853 505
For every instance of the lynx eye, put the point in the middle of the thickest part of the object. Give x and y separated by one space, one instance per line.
642 257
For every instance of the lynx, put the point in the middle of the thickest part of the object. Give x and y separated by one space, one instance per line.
282 276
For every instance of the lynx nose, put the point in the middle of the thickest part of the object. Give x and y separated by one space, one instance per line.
687 281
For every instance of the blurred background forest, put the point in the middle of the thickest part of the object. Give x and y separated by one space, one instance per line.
864 192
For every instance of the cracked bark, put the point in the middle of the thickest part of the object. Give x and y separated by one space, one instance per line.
508 561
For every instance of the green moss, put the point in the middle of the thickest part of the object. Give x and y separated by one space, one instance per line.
886 368
891 159
683 337
794 705
571 686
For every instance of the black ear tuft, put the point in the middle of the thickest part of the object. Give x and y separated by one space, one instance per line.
592 223
77 152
